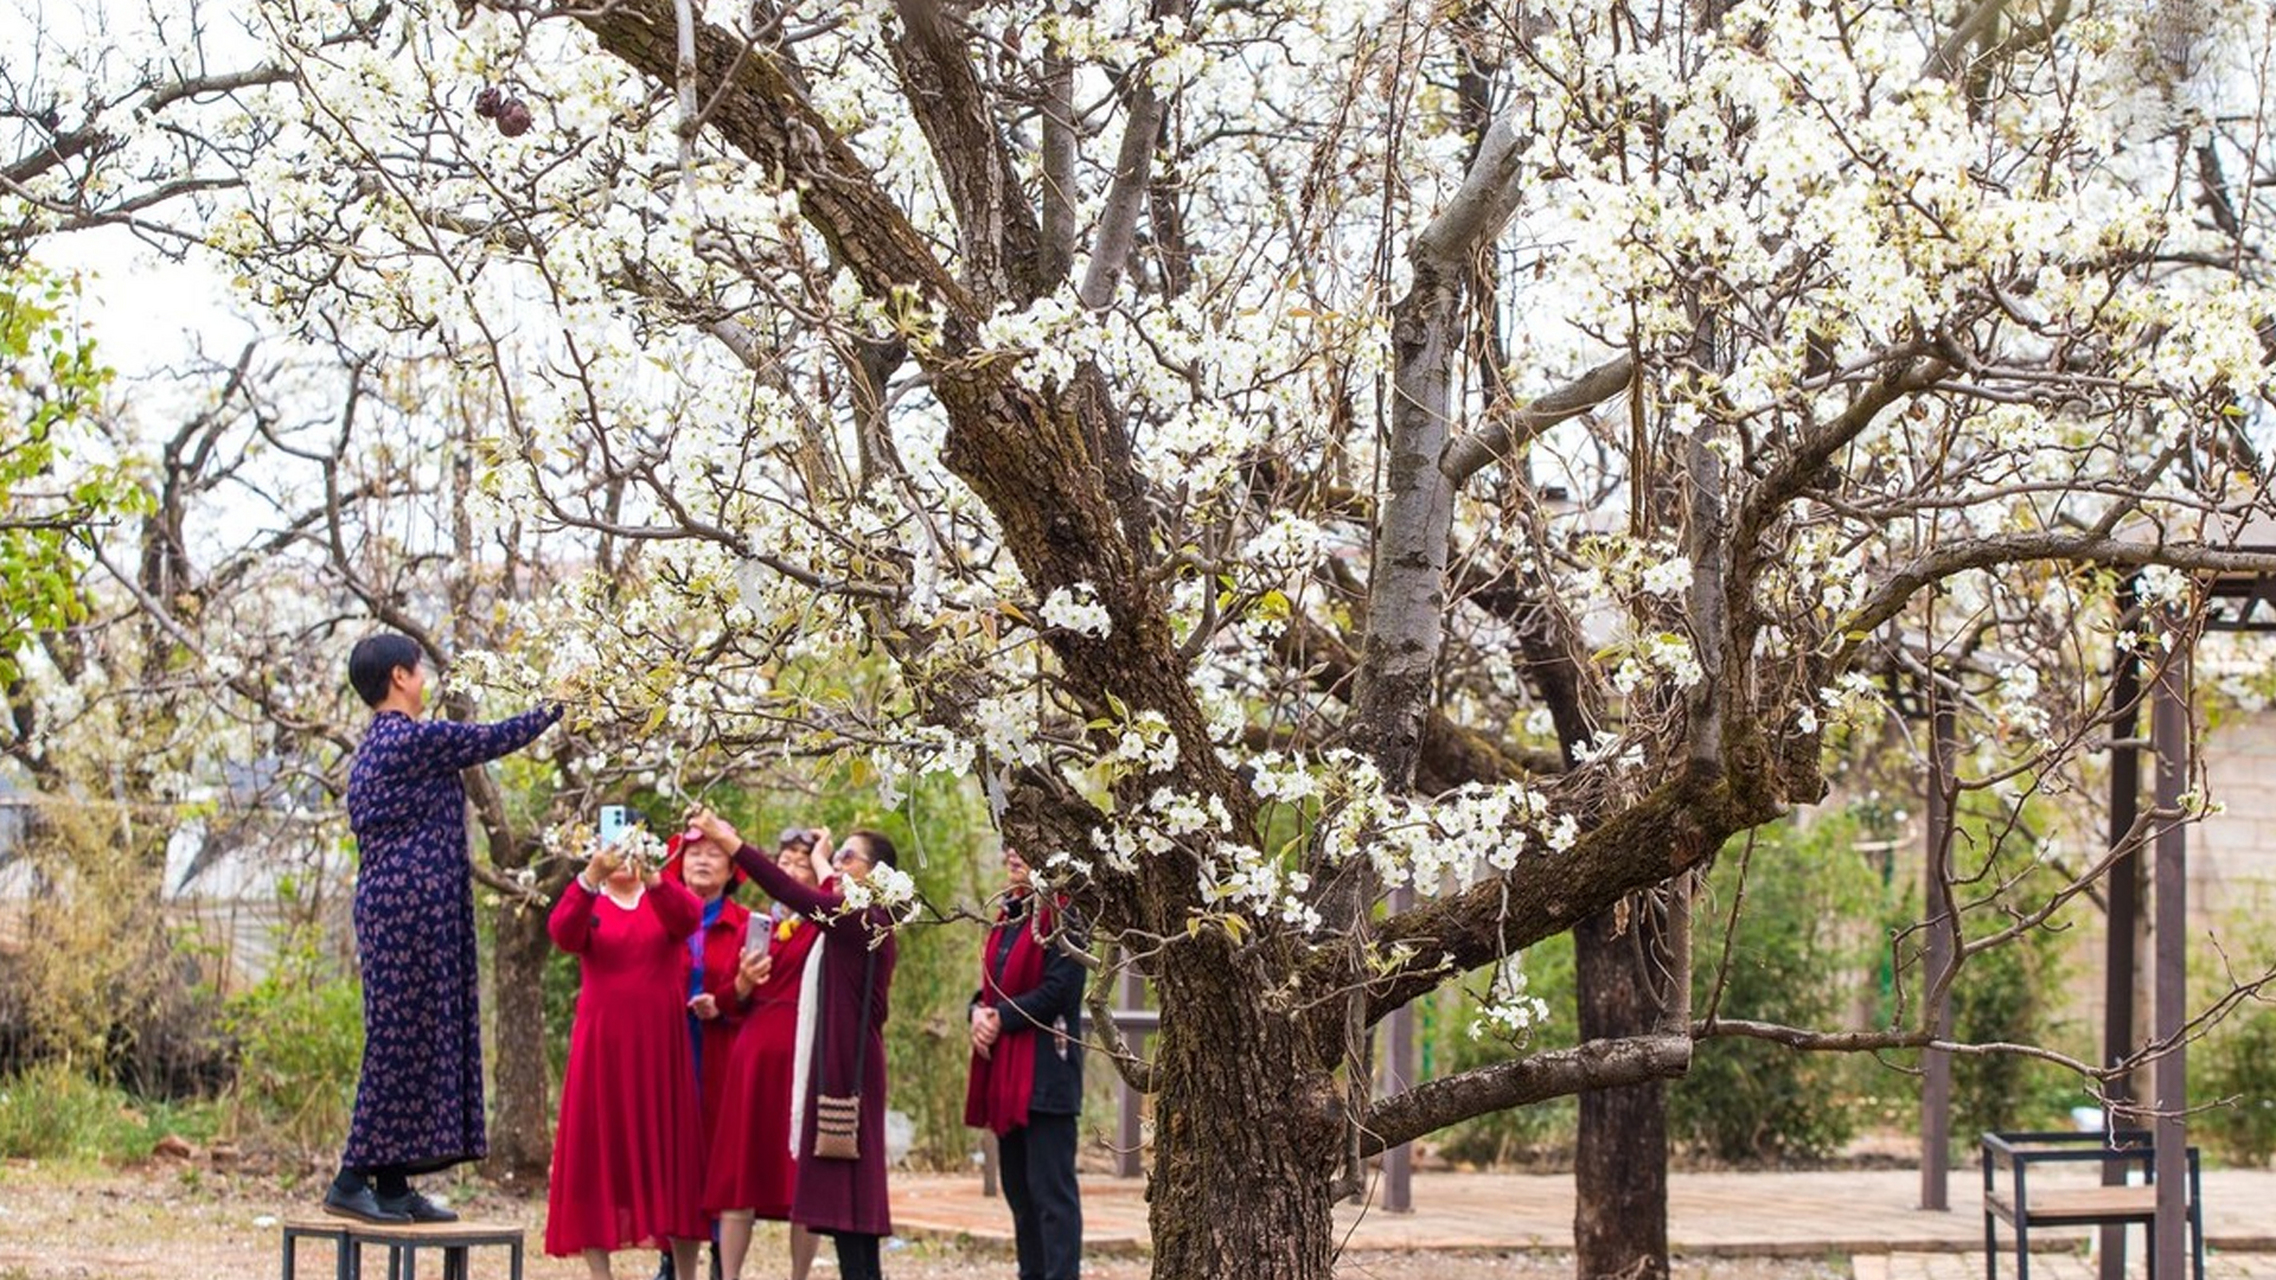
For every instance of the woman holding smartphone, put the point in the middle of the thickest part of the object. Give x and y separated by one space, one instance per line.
751 1174
627 1157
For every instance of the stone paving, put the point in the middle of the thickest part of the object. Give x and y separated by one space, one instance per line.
1849 1213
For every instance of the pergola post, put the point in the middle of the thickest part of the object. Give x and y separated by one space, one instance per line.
1943 927
2125 907
1130 1134
2169 735
1398 1162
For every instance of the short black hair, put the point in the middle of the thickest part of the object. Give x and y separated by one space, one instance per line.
874 843
374 660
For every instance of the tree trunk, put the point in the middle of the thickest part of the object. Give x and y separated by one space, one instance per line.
521 1093
1620 1164
1247 1137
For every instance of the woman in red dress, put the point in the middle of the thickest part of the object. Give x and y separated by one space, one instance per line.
751 1173
627 1158
714 1017
715 953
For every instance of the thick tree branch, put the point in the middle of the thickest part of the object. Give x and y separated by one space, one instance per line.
1507 433
1133 168
1057 244
996 231
1599 1064
759 110
1898 589
95 140
1118 219
1672 828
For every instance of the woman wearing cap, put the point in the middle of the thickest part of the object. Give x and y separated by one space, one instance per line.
751 1174
627 1158
850 974
715 952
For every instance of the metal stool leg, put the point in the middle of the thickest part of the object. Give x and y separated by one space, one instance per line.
454 1263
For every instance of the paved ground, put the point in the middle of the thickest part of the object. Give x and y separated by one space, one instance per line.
188 1224
1728 1214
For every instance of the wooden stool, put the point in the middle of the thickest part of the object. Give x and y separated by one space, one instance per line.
402 1240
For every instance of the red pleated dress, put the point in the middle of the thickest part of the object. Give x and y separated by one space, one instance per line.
751 1166
628 1151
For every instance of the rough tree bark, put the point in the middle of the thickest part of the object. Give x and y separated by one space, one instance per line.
521 1130
1620 1158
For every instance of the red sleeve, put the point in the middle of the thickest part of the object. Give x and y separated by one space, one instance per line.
571 924
680 910
719 979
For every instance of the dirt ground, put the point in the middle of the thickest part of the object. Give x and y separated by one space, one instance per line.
192 1223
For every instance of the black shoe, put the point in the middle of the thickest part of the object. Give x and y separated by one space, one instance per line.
416 1207
664 1268
361 1205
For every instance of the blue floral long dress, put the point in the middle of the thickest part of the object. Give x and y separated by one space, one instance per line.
419 1099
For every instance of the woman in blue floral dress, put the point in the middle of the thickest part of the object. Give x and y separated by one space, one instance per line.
419 1098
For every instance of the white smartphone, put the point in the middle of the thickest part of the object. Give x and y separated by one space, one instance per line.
616 819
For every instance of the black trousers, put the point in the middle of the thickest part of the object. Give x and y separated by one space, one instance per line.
1047 1209
857 1256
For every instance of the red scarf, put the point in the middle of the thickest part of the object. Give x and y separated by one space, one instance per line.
1002 1084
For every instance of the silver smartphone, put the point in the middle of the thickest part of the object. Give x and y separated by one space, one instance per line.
616 819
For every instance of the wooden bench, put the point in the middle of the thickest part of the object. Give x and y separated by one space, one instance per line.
402 1241
2024 1207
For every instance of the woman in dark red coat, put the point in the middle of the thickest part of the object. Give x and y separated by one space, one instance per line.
844 1199
627 1164
751 1174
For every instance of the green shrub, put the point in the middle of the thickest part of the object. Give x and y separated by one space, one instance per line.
299 1034
50 1112
1502 1138
2237 1059
2009 995
1799 953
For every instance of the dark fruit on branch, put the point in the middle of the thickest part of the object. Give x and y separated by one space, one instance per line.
489 102
514 118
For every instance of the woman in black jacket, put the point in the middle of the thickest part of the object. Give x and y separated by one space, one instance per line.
1027 1073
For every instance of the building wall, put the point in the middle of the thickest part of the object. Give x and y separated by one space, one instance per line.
2232 855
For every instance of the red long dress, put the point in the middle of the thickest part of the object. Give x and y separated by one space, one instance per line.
751 1166
628 1154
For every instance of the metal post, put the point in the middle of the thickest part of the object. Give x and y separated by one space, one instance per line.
2169 732
1398 1162
2125 909
1942 947
1130 1135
